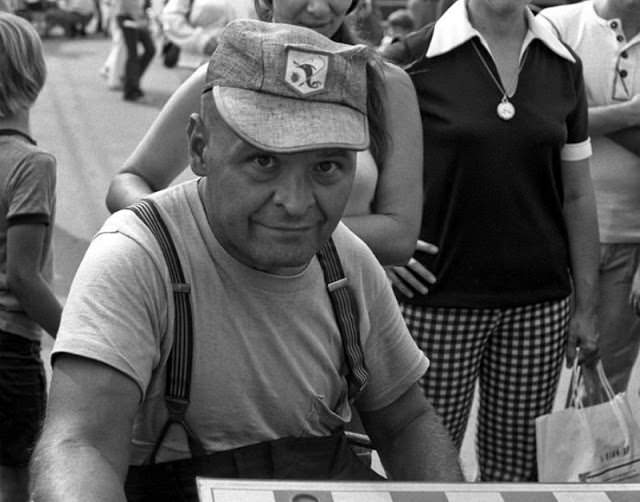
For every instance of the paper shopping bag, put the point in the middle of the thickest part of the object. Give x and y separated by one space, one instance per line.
633 390
598 443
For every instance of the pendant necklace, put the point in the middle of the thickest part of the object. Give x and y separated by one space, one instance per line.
505 109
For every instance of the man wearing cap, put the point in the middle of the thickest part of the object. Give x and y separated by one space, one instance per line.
293 319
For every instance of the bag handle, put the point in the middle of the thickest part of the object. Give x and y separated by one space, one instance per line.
574 400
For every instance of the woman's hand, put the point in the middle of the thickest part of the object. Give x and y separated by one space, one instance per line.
582 338
413 276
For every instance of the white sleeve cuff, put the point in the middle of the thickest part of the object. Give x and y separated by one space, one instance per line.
576 151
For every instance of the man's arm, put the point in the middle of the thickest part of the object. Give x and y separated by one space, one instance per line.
411 440
619 122
83 453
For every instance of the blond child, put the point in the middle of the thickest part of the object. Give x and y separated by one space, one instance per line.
27 208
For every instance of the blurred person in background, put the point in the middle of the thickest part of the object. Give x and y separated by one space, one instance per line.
366 22
113 69
398 25
194 25
133 20
605 34
72 15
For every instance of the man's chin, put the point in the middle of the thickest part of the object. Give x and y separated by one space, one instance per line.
280 261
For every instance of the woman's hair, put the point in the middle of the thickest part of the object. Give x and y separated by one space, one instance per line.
376 91
376 95
22 67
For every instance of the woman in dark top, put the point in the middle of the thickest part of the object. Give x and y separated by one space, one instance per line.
510 205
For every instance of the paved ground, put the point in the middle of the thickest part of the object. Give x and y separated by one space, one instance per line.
91 131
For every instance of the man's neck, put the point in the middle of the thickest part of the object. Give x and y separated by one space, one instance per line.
628 12
19 122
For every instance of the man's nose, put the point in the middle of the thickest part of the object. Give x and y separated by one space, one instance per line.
295 193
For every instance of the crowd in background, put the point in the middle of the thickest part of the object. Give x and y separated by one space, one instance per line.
183 32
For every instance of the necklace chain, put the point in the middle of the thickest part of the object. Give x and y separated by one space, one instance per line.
501 88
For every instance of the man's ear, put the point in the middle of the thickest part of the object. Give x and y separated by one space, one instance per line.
198 138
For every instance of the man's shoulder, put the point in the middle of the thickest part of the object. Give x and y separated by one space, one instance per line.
172 203
348 243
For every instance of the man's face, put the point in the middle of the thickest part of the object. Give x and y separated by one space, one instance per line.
270 211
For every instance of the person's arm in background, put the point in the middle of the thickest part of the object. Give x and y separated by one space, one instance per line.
582 229
411 440
163 152
392 228
620 122
83 453
24 255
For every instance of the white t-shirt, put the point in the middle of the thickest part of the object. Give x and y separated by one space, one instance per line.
606 54
268 354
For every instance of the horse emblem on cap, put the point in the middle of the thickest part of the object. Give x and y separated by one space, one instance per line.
306 72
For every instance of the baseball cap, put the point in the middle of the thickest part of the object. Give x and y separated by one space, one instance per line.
285 88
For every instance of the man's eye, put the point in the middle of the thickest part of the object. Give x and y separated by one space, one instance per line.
265 162
327 168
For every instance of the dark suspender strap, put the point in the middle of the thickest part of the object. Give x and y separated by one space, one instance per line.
178 380
346 313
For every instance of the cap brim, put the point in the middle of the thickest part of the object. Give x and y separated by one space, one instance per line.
287 125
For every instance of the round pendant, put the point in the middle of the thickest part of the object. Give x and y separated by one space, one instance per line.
506 111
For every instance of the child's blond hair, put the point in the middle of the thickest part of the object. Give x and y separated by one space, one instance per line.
22 67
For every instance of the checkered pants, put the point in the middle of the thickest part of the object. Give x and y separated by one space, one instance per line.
516 355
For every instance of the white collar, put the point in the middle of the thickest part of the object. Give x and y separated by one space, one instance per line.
454 29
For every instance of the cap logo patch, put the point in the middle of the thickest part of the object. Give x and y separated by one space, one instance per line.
306 72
